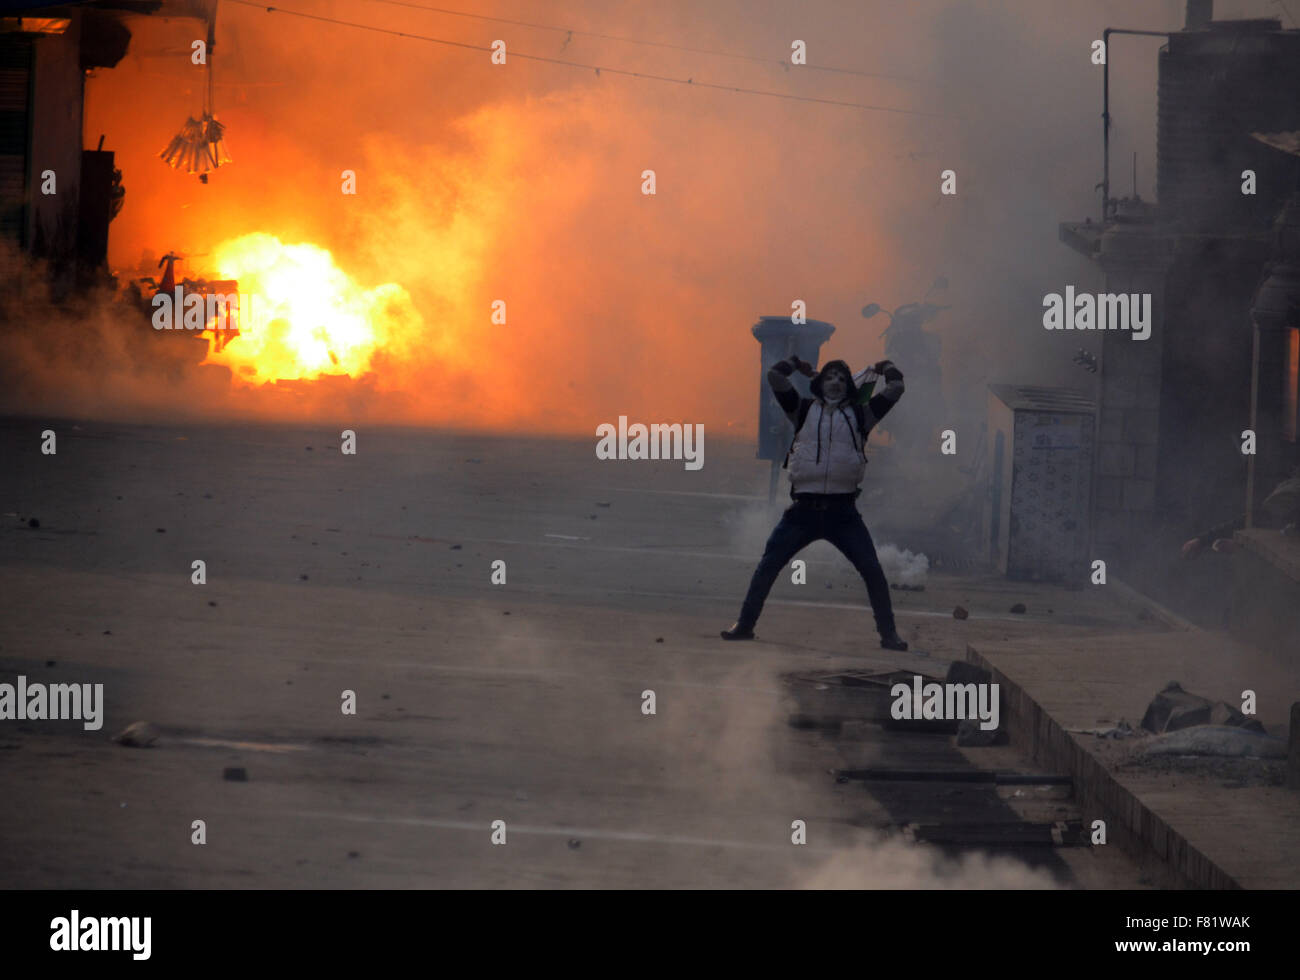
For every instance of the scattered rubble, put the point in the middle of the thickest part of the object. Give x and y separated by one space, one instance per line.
1174 709
1216 740
1120 730
1222 713
1239 772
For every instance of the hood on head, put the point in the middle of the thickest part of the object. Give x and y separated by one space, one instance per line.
851 390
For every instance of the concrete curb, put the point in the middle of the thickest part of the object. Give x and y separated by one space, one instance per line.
1130 823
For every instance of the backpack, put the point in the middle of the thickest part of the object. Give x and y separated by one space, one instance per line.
805 406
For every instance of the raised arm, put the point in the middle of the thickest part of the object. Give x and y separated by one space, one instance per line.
778 377
881 403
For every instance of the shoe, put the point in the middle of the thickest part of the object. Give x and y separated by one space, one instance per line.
893 642
739 632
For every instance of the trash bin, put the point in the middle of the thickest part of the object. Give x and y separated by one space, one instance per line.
778 338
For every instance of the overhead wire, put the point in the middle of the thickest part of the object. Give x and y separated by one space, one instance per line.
622 38
598 69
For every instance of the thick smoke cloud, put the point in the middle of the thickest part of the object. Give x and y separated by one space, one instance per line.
522 183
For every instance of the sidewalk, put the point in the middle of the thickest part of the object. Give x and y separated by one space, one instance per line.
1217 823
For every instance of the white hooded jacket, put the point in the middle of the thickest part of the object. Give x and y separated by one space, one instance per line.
829 451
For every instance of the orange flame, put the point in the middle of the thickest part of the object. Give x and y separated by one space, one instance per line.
302 317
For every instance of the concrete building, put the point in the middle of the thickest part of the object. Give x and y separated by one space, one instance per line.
1172 409
45 53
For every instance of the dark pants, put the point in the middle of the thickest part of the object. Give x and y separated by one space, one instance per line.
814 517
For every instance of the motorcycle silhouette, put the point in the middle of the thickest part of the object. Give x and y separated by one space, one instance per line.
915 424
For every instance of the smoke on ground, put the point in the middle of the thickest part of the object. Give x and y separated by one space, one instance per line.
902 567
891 863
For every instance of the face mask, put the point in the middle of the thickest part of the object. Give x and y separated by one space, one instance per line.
834 389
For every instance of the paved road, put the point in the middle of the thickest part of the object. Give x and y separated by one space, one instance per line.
476 702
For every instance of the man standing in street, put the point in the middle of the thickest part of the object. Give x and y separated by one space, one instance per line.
827 462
